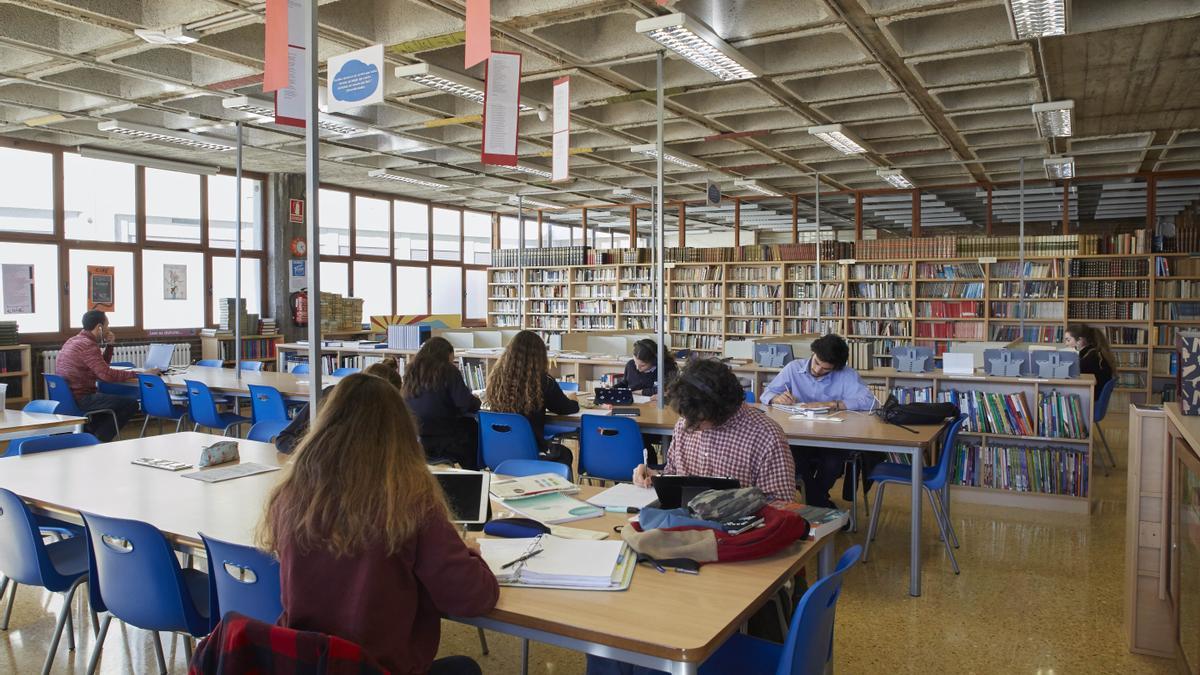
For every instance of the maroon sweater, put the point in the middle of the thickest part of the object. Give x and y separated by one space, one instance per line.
391 606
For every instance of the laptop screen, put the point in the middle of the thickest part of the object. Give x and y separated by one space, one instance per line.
159 356
466 494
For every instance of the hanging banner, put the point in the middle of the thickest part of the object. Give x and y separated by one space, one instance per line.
502 93
289 100
479 32
101 288
18 289
275 49
562 129
355 79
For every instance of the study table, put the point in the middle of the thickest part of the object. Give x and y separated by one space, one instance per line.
642 625
21 424
225 381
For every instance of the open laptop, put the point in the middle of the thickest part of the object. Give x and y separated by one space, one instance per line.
159 356
676 491
466 494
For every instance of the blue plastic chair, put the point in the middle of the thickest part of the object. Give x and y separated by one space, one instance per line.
750 398
267 430
241 579
157 403
266 404
57 442
58 390
531 467
59 567
211 363
301 369
252 366
116 388
808 648
610 448
934 481
135 577
203 409
1098 412
505 436
568 386
40 405
343 372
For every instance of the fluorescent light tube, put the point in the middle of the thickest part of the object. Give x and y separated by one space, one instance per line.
1038 18
384 174
175 35
264 109
630 193
542 173
651 150
895 178
1053 118
448 81
1059 167
698 45
526 202
152 162
755 186
146 133
839 138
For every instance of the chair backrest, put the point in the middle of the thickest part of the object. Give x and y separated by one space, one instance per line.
1101 408
266 404
609 447
947 456
58 390
254 366
750 397
57 442
23 555
201 406
136 577
565 385
532 467
211 363
301 369
267 430
809 644
343 372
156 398
241 579
262 647
505 436
122 364
41 405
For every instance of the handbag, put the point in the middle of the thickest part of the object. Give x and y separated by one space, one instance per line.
614 396
894 412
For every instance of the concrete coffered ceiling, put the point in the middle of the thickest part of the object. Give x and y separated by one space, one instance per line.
938 88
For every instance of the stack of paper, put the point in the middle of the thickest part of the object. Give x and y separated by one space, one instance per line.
625 495
553 508
528 486
561 563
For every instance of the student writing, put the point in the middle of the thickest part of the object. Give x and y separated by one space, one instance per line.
443 405
521 383
641 372
1095 355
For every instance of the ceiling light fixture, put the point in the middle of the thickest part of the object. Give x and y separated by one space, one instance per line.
1059 167
1038 18
265 110
151 162
448 81
651 150
384 174
755 186
1053 118
526 202
542 173
895 178
175 35
631 193
142 132
839 138
698 45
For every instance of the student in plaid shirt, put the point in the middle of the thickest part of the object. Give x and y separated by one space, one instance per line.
717 435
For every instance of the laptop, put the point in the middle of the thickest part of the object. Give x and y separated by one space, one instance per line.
159 356
466 494
676 491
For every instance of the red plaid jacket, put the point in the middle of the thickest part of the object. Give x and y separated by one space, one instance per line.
243 645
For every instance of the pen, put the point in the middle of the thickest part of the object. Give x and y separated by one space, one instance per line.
527 556
622 509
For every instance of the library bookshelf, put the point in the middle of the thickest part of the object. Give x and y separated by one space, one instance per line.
16 371
254 348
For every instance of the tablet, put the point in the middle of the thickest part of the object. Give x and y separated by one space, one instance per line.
676 491
466 494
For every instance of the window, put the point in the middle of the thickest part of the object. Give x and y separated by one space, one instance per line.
576 236
335 278
223 285
412 290
446 232
560 235
42 316
172 206
447 290
477 290
335 222
222 212
98 197
510 232
372 219
122 295
373 283
173 289
27 200
531 232
412 230
477 238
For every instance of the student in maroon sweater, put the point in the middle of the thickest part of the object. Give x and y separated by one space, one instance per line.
366 548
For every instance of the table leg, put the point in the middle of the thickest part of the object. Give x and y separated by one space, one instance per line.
914 582
825 561
685 668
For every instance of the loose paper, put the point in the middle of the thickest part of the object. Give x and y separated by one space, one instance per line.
101 284
562 129
355 79
479 32
174 282
289 100
229 472
500 109
18 289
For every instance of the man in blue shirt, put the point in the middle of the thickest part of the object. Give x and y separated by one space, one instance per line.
821 381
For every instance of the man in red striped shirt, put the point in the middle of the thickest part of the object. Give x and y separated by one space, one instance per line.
81 363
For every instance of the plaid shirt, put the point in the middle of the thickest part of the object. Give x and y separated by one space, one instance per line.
243 645
81 363
750 446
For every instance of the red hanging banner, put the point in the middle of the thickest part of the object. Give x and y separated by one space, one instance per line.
479 32
275 56
501 109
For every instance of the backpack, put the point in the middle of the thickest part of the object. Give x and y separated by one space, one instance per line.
894 412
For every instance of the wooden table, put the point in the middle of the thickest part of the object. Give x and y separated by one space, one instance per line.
643 625
21 424
856 431
226 381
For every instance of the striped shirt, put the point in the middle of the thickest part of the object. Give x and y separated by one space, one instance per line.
750 446
81 363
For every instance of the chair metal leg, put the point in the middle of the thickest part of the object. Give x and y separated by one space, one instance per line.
854 464
3 586
94 660
64 619
179 423
483 645
188 648
946 513
524 656
196 426
934 503
12 596
1111 460
874 524
780 615
70 628
158 652
144 423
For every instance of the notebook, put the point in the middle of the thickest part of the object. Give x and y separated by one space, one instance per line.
553 508
529 486
625 495
560 563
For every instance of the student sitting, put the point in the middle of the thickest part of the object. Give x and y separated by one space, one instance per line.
641 372
717 435
365 544
437 395
821 381
1095 355
520 383
289 438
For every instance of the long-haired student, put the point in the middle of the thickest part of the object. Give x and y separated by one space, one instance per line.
1095 354
443 405
521 383
365 544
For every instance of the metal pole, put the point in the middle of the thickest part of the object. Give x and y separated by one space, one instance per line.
658 236
312 186
237 265
1021 304
817 188
521 255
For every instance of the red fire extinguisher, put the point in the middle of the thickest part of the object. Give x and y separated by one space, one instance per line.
300 308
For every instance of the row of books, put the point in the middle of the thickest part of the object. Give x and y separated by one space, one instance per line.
949 309
410 336
638 323
637 307
862 353
1178 289
809 272
1044 469
597 322
815 327
1015 269
474 373
1112 267
947 289
756 273
926 247
927 270
1176 267
1180 311
251 349
543 256
505 277
546 291
956 330
548 306
1027 310
594 274
1011 246
687 324
871 329
710 343
547 276
1166 363
619 256
1113 311
697 273
880 271
1062 415
753 291
591 291
1027 289
1186 238
552 323
762 308
755 326
992 412
329 362
1128 288
884 290
1127 358
1126 336
696 290
595 307
1130 243
1032 334
881 310
696 307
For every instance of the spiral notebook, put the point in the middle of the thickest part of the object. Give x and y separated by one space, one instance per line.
560 563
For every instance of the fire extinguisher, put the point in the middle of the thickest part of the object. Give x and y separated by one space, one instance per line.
300 308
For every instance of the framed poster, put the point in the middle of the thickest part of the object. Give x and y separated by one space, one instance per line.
101 287
18 288
174 282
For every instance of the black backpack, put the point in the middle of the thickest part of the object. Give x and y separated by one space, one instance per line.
900 414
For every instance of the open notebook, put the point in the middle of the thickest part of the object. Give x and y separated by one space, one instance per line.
562 563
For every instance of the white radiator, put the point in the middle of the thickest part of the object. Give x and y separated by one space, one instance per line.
135 354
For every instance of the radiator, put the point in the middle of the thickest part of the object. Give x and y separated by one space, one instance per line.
135 354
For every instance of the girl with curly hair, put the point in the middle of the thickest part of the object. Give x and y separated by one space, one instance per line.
520 383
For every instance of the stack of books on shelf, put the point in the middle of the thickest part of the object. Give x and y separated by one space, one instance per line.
1186 238
890 249
912 394
8 333
1111 311
1129 243
1112 267
613 256
340 314
992 413
267 327
474 373
862 353
1047 470
410 336
232 313
1062 416
1033 334
1010 246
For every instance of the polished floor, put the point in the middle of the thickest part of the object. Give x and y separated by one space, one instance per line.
1039 594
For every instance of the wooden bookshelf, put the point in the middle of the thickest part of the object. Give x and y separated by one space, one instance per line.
16 370
255 347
